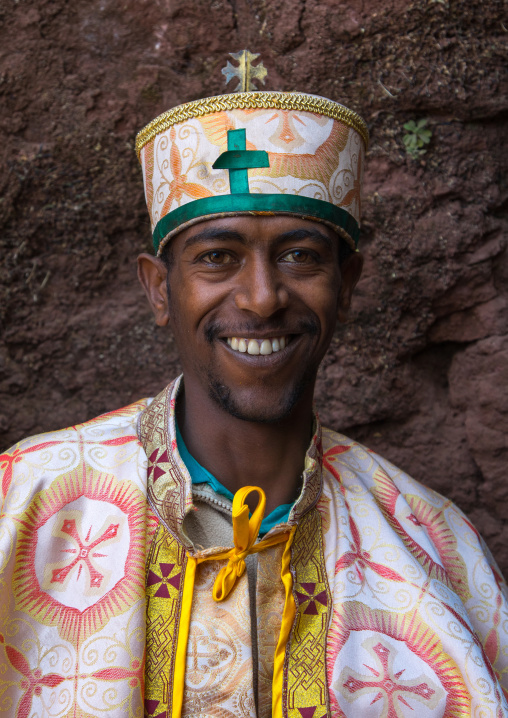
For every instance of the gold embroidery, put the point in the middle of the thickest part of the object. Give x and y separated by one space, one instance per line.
306 685
164 578
252 100
167 489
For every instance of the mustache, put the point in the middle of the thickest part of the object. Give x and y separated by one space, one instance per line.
216 328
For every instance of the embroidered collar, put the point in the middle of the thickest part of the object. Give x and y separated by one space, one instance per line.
169 486
201 477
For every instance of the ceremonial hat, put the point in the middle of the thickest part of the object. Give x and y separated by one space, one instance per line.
253 152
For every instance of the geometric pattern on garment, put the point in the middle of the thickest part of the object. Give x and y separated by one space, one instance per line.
389 665
391 677
109 671
306 693
432 519
395 554
218 673
164 583
398 547
80 552
37 678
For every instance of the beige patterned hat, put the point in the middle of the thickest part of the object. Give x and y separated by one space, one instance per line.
253 153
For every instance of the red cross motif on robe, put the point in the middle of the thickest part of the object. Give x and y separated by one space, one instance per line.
164 579
311 598
153 467
151 707
388 685
310 713
83 553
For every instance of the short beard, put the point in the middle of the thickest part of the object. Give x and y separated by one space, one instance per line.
221 395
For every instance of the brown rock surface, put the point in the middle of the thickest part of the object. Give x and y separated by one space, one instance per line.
420 371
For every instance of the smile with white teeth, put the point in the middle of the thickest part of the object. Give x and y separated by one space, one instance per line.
257 346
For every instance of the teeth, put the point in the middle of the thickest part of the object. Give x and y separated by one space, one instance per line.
266 347
254 347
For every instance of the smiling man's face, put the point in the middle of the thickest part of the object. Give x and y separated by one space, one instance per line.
253 305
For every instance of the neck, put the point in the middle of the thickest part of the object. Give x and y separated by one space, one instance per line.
248 453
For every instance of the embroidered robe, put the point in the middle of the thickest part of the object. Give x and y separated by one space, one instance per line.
381 599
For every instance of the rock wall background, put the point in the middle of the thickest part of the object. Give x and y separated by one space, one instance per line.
420 373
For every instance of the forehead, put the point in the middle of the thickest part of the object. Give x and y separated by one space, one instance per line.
255 230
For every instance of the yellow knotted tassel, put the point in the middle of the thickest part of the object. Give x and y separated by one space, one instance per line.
245 534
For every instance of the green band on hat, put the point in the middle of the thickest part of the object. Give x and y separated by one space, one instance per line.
245 203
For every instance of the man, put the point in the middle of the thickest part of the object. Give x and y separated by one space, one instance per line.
261 564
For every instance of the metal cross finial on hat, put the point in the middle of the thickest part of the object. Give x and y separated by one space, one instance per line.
245 71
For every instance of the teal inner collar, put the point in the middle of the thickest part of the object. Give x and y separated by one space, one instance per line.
200 475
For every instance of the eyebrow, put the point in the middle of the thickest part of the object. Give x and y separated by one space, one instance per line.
223 234
210 235
314 235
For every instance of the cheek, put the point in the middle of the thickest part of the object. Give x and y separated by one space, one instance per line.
193 302
324 300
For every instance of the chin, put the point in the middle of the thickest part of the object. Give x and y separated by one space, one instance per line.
257 406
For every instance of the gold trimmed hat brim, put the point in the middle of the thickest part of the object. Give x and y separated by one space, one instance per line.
295 101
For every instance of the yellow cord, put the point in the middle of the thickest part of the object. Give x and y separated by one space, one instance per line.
245 534
288 617
183 637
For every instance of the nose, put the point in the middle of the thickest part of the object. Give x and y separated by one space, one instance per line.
261 289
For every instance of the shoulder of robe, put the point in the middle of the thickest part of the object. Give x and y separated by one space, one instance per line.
40 458
353 463
367 464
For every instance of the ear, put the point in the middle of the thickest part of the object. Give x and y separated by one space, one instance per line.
350 270
153 274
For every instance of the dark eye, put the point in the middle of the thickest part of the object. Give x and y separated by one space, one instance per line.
217 257
297 256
